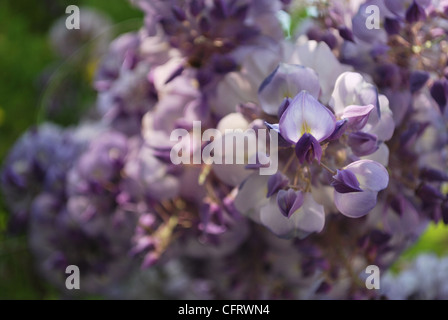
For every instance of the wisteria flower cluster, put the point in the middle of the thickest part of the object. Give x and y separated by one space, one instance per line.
354 121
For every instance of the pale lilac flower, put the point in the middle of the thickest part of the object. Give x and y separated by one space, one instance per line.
303 215
357 116
38 163
148 177
320 58
121 55
276 182
439 92
352 89
371 178
286 81
306 114
127 99
57 241
225 230
362 143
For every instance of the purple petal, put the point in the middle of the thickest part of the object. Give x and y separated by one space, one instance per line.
275 221
399 102
362 143
196 6
229 205
359 24
224 64
143 243
319 57
150 259
383 127
387 75
379 50
178 13
252 196
220 9
355 205
439 92
409 136
351 89
415 13
345 182
357 116
289 201
306 115
407 219
308 148
397 7
281 141
285 104
177 72
431 174
429 193
241 12
330 40
314 33
276 182
341 126
346 34
286 81
392 26
204 25
231 174
417 80
273 126
310 217
370 174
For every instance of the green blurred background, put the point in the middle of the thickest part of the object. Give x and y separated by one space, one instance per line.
25 54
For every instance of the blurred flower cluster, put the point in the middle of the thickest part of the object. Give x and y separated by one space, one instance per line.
359 115
423 279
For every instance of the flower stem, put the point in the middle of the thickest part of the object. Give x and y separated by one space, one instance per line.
328 169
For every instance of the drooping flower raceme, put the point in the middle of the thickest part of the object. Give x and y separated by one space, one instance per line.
306 126
360 119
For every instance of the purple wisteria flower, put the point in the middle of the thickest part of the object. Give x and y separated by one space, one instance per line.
305 123
357 185
305 114
209 34
286 82
38 163
99 246
293 214
361 158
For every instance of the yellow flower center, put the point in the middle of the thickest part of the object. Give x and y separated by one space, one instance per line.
305 128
